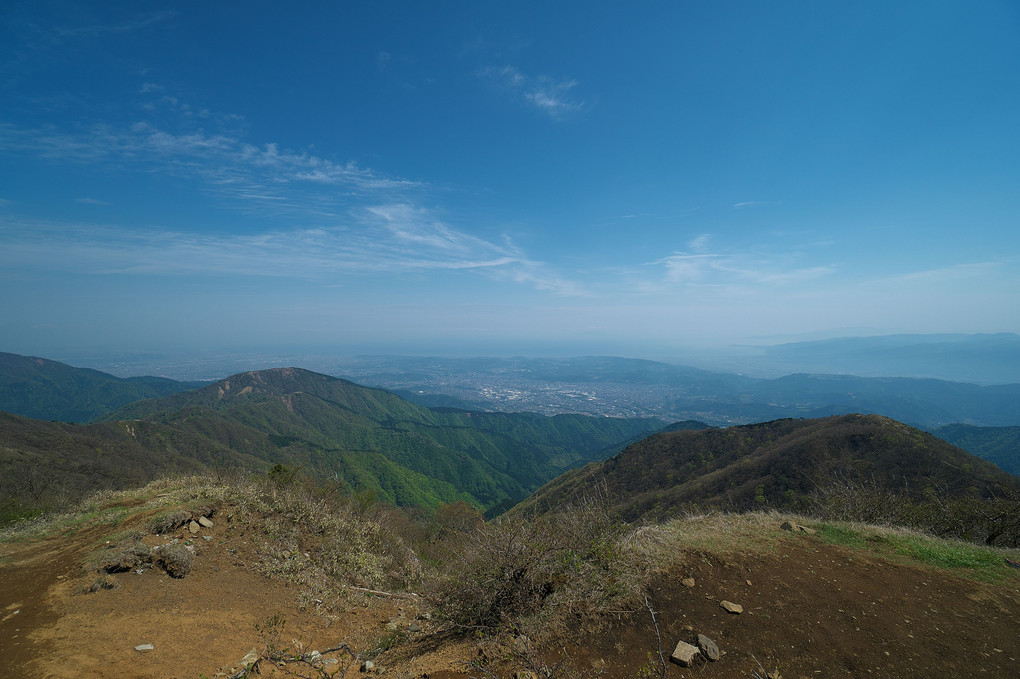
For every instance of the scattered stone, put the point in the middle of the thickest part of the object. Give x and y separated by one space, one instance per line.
413 627
204 522
687 582
708 647
367 666
207 538
797 528
142 648
731 607
193 528
684 654
176 559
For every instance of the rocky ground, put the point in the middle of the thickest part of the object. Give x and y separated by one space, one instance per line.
801 607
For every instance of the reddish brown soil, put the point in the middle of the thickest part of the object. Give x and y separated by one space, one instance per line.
817 610
810 610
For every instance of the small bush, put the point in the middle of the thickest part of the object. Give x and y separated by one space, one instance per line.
576 562
176 559
125 557
169 522
101 583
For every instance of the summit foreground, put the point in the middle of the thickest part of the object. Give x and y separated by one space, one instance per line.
284 572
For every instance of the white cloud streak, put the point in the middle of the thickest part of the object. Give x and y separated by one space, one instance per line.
550 96
703 268
336 218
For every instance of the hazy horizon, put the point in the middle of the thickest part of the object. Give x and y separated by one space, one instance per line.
504 178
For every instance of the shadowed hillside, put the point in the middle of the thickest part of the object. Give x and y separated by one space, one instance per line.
777 464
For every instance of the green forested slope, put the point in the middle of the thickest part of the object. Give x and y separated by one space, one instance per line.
1000 445
366 438
50 390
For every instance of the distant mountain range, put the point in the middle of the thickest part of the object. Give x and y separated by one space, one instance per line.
331 428
600 385
980 358
49 390
774 464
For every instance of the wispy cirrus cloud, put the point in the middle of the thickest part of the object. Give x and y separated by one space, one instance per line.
357 246
553 97
757 203
265 175
334 218
704 266
390 239
128 26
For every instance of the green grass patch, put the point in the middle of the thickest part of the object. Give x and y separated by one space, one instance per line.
848 537
949 554
987 564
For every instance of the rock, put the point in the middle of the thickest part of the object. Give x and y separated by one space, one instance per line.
176 559
687 582
684 654
797 528
207 538
250 658
193 528
204 522
731 607
413 627
367 666
142 648
708 647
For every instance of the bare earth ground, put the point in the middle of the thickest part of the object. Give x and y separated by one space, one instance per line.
810 609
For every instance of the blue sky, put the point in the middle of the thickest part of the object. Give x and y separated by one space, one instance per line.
478 178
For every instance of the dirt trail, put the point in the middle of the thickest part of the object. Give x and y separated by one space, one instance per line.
809 609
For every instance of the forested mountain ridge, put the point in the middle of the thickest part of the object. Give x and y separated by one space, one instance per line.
365 438
50 390
999 445
776 464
